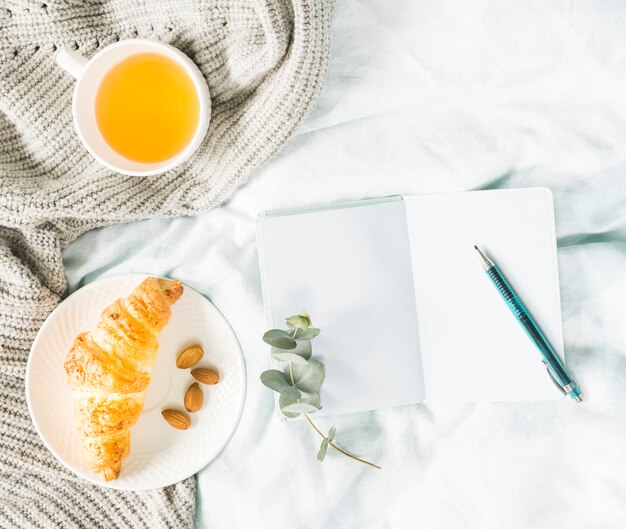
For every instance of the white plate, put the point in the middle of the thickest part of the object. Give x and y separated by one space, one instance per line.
159 454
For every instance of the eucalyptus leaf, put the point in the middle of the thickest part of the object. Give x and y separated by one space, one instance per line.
308 378
277 380
299 322
323 449
287 356
312 398
300 407
279 339
284 401
331 434
303 349
307 334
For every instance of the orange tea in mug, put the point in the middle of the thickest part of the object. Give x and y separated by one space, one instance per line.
147 108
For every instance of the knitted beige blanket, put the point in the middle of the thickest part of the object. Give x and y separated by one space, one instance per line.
265 62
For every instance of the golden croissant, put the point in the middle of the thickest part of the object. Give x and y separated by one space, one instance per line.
109 371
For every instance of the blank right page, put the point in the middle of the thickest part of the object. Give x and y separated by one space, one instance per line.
472 347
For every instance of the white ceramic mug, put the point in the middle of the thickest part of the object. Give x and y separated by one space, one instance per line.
89 74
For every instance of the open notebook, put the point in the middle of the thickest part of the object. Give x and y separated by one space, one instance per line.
406 311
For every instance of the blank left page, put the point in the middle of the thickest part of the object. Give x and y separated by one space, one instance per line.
350 269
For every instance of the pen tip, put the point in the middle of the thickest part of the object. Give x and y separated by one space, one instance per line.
483 258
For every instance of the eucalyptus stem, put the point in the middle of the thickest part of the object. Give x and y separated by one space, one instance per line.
290 369
295 331
310 374
339 449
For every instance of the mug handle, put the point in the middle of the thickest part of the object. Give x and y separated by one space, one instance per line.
71 61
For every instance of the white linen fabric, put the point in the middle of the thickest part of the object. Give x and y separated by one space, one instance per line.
428 97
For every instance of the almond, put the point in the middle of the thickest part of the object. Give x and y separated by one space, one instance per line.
178 419
205 375
194 398
189 357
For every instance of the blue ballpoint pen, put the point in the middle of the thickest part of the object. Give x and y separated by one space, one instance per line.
553 364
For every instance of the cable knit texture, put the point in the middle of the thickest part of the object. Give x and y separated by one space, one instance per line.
265 62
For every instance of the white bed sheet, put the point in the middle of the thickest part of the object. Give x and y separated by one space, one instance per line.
426 97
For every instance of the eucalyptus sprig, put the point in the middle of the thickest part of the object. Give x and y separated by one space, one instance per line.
300 382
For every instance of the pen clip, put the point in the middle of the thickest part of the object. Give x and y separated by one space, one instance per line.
556 382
